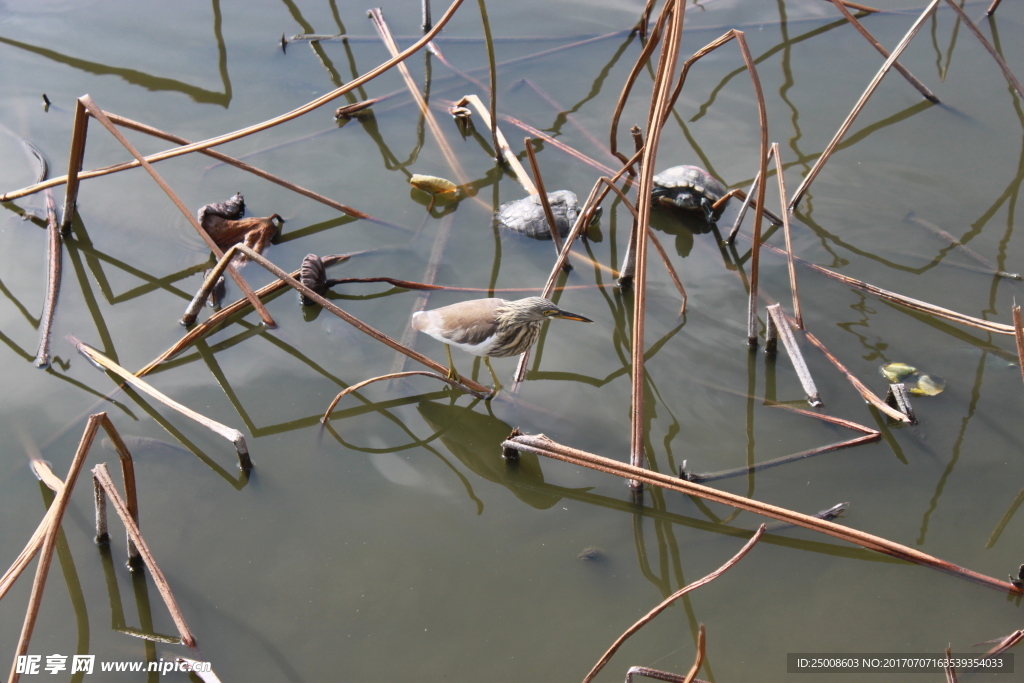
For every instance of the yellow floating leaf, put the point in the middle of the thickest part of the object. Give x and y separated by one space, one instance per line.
927 385
895 372
433 184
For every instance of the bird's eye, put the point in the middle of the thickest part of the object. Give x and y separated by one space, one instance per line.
549 312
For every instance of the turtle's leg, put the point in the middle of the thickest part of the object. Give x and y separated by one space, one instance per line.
709 213
453 375
497 384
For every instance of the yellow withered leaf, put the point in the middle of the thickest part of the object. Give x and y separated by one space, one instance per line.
432 184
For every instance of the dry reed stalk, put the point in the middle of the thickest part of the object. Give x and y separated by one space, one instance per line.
542 194
493 72
58 506
558 144
350 319
426 16
25 556
762 172
128 477
948 667
628 269
260 173
669 600
510 158
1010 78
785 229
795 356
377 17
648 672
824 418
771 336
698 660
542 445
233 435
223 314
79 132
597 195
743 209
899 398
812 174
101 116
859 8
784 460
921 87
1006 643
53 256
99 500
645 20
645 55
270 123
45 475
658 115
1018 333
738 192
393 375
861 388
914 304
102 476
992 8
347 111
630 263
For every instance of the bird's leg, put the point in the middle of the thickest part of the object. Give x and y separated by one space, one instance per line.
453 375
497 384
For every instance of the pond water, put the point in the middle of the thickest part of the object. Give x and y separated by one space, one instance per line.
396 544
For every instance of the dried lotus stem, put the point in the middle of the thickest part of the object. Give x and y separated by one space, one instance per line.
921 87
77 156
393 375
797 358
813 173
102 477
270 123
506 151
789 243
233 435
54 256
49 541
542 445
544 203
1018 333
349 318
669 600
377 17
1010 78
100 116
220 316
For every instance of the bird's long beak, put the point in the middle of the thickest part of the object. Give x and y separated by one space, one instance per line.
571 316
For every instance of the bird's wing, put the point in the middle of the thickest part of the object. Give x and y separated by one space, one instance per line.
467 322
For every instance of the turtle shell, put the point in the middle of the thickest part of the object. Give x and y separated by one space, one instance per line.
526 215
688 188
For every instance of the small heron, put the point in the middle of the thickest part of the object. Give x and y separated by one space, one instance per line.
489 327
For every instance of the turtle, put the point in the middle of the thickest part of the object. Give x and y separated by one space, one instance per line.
526 216
690 188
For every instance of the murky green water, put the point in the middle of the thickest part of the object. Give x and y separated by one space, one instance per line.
396 544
